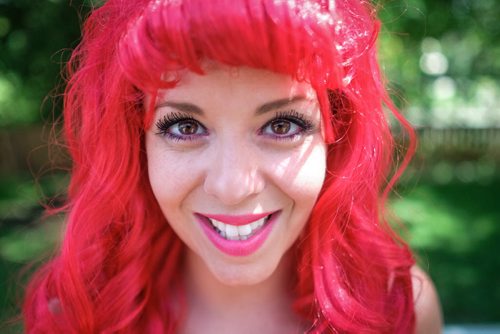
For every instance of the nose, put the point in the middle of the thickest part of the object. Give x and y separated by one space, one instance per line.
233 174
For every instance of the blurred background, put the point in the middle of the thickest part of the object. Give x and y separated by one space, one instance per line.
442 61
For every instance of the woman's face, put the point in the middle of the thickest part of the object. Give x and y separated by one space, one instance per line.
236 160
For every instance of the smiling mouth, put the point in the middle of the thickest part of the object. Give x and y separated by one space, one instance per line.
238 235
241 232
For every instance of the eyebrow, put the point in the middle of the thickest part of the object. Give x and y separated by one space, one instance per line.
266 107
181 106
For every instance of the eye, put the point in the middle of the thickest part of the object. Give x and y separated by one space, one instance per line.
186 128
287 125
283 127
180 127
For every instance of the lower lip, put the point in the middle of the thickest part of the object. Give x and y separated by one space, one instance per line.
238 247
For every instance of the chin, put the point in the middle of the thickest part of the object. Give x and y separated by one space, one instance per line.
243 274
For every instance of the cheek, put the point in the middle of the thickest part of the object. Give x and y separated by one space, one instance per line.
168 176
302 174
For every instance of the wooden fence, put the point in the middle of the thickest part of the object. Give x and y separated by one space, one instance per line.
459 144
27 149
482 139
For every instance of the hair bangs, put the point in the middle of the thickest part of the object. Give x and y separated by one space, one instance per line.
289 37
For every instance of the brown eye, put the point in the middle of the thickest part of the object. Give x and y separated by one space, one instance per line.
287 125
179 127
280 127
188 127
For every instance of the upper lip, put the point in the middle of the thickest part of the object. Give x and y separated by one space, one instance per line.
236 220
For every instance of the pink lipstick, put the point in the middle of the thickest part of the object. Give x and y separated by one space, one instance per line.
237 235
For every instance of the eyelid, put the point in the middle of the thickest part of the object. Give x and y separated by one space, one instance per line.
164 123
299 119
293 115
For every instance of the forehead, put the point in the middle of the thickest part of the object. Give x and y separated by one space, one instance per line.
243 83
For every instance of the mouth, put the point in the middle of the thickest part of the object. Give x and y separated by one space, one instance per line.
238 235
240 232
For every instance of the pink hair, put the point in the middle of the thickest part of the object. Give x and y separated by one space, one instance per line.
117 270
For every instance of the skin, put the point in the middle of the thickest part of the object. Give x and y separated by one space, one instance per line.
429 318
230 151
237 163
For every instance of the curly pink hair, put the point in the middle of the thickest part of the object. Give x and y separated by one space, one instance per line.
353 272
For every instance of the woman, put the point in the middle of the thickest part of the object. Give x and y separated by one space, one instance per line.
230 171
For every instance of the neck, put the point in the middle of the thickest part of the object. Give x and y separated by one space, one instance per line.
216 305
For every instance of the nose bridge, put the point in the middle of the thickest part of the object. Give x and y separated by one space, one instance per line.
233 173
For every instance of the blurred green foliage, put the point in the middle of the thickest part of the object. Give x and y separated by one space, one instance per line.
25 241
443 60
34 41
454 230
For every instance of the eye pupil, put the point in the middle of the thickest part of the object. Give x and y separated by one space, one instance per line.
280 127
188 128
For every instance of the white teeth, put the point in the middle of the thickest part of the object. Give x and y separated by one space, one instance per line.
255 224
231 232
218 224
242 232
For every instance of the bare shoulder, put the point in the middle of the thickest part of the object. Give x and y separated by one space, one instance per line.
429 319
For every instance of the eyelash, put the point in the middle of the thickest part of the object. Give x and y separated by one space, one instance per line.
166 122
306 126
